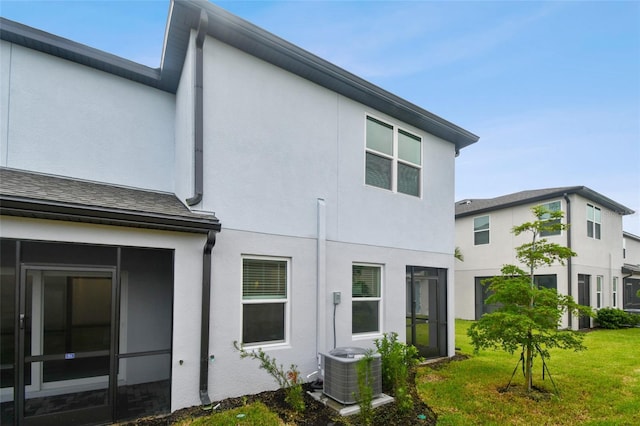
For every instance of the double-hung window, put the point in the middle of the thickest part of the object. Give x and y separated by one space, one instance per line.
614 293
481 230
599 280
366 298
593 221
265 297
393 158
551 207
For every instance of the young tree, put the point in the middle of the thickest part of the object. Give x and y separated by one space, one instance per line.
529 316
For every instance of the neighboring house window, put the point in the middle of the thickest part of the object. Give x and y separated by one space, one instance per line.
593 221
552 207
393 158
614 293
265 292
546 281
366 283
481 230
599 291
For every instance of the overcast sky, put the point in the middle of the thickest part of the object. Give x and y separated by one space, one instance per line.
551 88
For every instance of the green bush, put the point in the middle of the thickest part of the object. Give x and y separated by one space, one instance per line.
613 318
397 360
289 380
634 319
365 388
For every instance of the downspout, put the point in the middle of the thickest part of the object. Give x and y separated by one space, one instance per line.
569 260
206 313
198 112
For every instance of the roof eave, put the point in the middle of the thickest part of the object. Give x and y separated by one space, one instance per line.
247 37
579 190
45 209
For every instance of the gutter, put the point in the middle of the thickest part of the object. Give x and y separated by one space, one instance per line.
205 318
569 261
198 112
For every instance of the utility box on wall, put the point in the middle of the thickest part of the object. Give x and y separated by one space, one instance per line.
341 374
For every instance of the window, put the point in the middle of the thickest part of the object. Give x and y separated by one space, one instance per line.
593 222
366 282
546 281
552 207
599 291
264 300
481 230
614 293
393 158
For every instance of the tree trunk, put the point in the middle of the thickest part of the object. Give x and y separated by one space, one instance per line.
528 369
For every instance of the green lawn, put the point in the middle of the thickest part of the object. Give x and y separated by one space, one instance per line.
599 386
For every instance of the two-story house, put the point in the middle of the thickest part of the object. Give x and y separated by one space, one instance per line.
631 272
246 191
593 278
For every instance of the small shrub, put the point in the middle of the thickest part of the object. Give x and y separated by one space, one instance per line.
634 319
613 318
397 360
365 388
288 380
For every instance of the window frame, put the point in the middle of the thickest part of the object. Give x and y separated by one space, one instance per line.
614 292
547 206
488 230
599 284
263 301
594 227
394 157
378 299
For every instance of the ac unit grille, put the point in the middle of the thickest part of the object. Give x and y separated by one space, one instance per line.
341 377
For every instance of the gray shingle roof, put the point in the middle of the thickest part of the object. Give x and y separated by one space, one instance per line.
30 194
474 206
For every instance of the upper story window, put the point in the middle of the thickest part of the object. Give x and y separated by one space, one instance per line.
481 230
393 158
366 297
593 221
554 206
264 300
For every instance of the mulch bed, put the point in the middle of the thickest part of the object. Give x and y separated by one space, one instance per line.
315 414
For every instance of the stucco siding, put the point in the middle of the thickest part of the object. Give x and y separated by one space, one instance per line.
184 129
229 375
75 121
275 143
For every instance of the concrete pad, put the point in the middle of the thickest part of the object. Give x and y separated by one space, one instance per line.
348 410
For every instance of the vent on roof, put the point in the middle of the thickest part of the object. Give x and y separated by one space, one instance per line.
464 203
341 374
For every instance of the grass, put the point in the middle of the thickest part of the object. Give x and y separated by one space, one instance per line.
599 386
251 414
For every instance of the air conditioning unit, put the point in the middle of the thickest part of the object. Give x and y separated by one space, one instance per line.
341 374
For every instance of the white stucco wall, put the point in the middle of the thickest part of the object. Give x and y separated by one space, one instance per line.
184 129
274 143
230 376
76 121
632 249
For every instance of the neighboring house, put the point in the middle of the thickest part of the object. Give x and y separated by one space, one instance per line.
120 288
631 272
594 277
